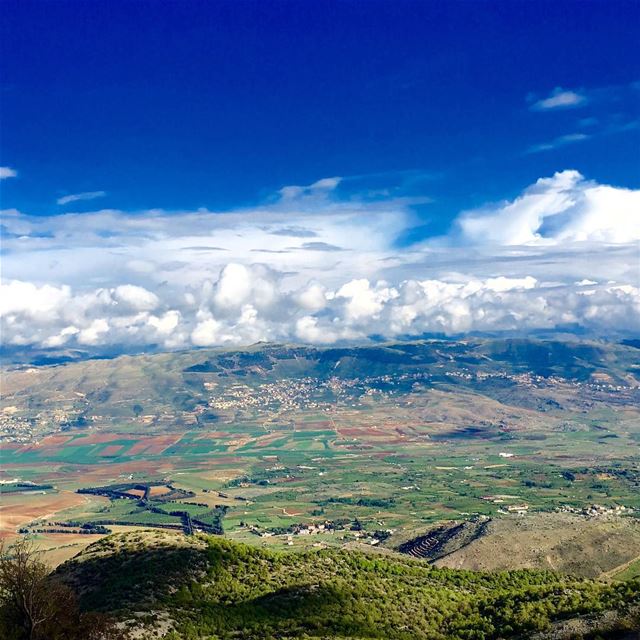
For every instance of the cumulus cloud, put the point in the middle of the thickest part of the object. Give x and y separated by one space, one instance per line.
206 333
312 298
358 309
166 323
363 301
563 208
7 172
75 197
202 278
560 98
137 298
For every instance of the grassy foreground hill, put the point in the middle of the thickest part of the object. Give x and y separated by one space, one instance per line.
210 587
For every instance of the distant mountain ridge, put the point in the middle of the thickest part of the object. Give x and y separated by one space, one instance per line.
177 381
40 356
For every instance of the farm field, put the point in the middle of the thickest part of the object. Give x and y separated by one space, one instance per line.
630 571
391 439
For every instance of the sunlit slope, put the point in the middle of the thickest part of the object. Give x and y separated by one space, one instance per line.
175 381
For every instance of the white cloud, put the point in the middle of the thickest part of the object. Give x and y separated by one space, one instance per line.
560 141
308 329
202 278
312 298
560 99
31 301
502 283
560 209
166 323
92 334
75 197
206 333
234 286
363 300
7 172
317 190
138 298
603 214
356 310
61 338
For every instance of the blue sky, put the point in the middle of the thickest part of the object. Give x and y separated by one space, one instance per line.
217 104
421 150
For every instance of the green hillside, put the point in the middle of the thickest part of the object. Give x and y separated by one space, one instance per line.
214 588
175 381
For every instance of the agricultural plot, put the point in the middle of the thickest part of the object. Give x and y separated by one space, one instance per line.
397 437
630 571
154 505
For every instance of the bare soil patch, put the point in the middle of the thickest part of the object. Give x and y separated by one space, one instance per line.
17 510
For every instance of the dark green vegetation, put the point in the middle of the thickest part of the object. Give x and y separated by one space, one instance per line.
212 587
23 487
168 510
35 605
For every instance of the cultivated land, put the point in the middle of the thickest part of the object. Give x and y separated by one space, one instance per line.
287 446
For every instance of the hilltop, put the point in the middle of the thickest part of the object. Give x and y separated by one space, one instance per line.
212 587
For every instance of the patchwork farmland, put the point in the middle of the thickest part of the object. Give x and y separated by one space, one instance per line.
394 439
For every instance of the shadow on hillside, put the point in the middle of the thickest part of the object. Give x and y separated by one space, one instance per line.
132 576
308 608
148 578
214 589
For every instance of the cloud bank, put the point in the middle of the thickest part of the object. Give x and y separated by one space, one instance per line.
310 266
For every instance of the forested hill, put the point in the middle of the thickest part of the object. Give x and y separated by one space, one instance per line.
209 587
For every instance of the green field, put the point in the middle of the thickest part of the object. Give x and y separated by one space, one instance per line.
398 436
631 572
